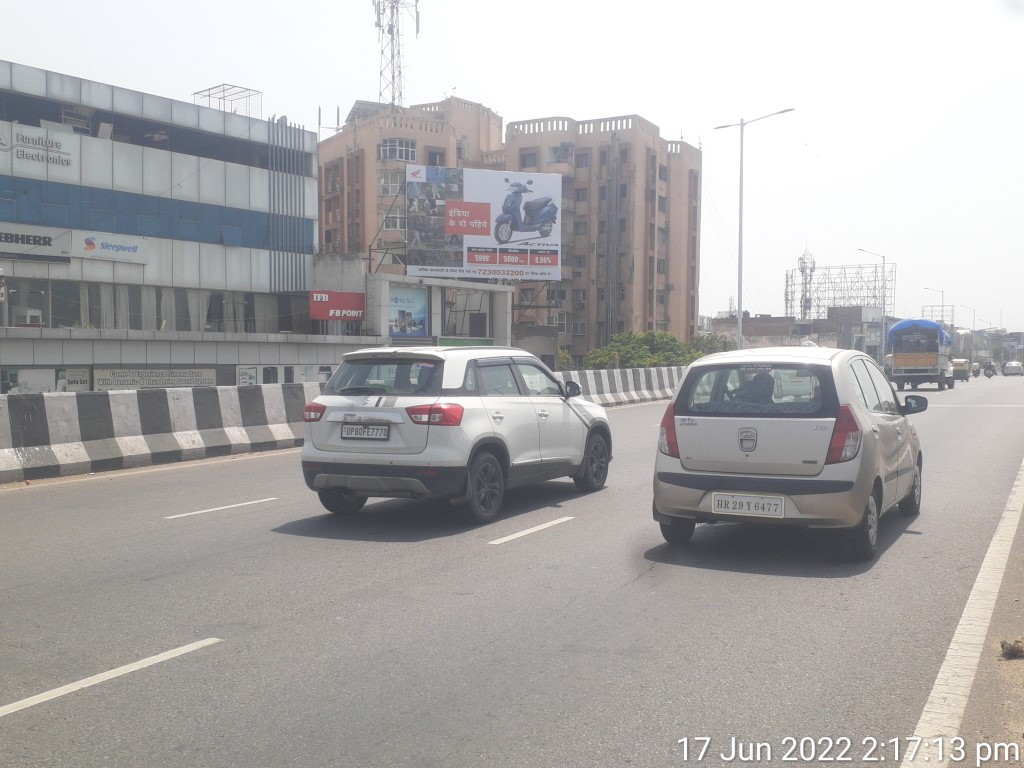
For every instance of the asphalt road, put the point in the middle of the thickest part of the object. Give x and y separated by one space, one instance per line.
404 637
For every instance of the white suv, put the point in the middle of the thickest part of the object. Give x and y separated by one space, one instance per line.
463 423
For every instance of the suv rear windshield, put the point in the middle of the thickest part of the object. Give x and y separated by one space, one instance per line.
387 376
762 389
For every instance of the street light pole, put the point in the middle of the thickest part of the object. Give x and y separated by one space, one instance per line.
974 324
942 298
883 298
739 257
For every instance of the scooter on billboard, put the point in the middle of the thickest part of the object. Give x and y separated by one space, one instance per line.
536 216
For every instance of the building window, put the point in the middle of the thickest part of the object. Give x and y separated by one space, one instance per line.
662 267
600 294
579 294
397 149
623 190
663 172
582 159
661 297
603 157
435 157
624 155
602 193
579 227
527 294
391 183
392 222
662 204
582 194
580 261
579 329
528 159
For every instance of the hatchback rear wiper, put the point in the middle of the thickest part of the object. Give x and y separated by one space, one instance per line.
362 391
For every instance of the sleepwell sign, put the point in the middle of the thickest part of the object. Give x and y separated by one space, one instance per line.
467 222
108 246
336 305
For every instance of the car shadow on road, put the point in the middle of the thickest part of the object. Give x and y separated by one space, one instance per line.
778 550
409 520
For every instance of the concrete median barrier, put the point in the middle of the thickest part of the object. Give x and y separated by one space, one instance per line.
69 433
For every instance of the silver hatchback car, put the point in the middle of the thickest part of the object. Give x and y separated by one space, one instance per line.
805 436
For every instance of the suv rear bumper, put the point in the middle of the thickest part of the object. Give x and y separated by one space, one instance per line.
399 482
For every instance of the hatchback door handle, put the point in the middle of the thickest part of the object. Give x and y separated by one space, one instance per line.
543 414
874 429
497 416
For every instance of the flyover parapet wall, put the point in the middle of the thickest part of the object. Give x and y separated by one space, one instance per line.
69 433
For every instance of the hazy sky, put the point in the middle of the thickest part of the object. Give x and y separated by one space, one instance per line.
906 138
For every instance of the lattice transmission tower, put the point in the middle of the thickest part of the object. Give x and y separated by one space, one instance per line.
852 285
389 32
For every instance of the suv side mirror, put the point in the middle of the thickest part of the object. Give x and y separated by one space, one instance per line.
572 389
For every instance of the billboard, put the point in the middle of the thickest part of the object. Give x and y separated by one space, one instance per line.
407 311
466 222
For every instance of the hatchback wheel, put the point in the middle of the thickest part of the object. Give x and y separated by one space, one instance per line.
679 531
864 538
910 505
595 465
341 502
486 488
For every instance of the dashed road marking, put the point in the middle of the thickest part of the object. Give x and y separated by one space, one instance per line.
528 531
218 509
104 676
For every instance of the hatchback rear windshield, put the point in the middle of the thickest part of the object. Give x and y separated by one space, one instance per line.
762 389
387 376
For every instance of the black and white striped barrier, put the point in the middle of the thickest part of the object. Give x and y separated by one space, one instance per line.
626 385
67 433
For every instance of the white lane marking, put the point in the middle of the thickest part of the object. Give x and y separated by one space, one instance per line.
218 509
944 710
104 676
528 531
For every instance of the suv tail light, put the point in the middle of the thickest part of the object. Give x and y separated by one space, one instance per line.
313 411
845 437
436 415
667 435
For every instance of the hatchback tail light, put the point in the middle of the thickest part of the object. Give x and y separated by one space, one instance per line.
667 443
313 412
436 415
845 437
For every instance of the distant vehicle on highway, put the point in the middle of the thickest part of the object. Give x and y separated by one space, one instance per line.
462 423
1013 369
961 369
921 354
806 436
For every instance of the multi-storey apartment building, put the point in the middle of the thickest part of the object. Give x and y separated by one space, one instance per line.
629 215
631 228
140 234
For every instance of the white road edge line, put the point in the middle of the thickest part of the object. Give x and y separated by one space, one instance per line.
218 509
944 710
528 531
104 676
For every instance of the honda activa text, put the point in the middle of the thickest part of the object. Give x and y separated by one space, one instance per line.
516 216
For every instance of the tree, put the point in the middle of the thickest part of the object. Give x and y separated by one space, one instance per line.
653 349
564 359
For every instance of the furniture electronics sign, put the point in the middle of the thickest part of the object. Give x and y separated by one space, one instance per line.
466 222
